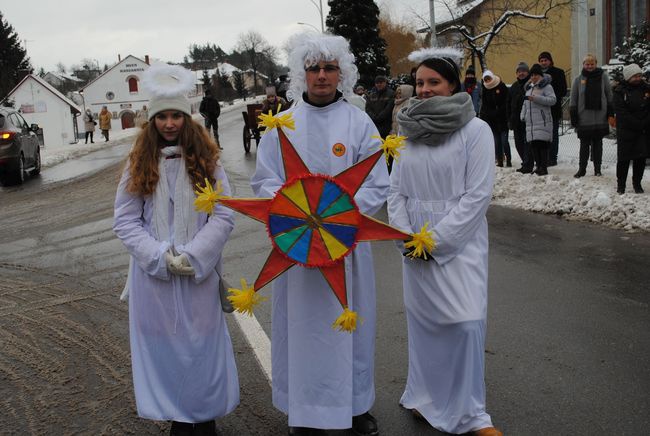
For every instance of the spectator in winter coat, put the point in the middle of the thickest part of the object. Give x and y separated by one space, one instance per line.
536 113
358 98
210 110
273 103
493 111
591 105
513 108
632 107
379 105
402 95
142 116
473 88
558 82
89 125
105 122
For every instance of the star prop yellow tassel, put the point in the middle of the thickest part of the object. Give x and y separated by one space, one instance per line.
347 321
244 299
422 243
270 121
391 145
206 197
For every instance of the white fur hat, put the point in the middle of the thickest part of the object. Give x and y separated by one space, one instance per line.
631 70
168 86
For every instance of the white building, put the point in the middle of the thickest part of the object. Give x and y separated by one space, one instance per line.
42 104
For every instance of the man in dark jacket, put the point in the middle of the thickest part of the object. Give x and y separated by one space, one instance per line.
210 110
558 82
632 107
516 96
379 105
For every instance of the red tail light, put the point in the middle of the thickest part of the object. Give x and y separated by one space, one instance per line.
7 135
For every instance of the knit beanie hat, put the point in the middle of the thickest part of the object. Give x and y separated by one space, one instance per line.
522 66
631 70
168 86
545 55
537 69
470 70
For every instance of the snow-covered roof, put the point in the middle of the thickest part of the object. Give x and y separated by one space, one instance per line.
224 68
64 76
447 15
49 87
112 68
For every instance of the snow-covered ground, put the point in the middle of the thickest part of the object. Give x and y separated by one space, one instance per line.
589 198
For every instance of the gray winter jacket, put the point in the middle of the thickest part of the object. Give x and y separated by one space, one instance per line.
590 123
537 113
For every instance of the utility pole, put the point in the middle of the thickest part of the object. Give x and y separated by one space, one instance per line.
432 20
319 6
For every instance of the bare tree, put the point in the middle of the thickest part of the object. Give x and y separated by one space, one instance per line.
60 68
507 13
257 51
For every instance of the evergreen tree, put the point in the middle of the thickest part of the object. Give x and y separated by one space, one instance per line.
358 22
240 85
14 63
207 81
634 50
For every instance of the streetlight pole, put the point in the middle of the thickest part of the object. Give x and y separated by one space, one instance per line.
319 6
307 24
432 20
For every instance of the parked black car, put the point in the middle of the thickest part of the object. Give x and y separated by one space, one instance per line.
20 151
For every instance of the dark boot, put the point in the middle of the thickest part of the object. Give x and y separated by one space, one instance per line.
305 431
208 428
181 429
637 188
581 172
508 163
500 162
364 425
620 186
597 172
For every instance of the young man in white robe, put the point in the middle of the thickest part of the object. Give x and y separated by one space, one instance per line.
323 378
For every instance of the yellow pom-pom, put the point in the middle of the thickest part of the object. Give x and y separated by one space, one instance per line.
206 197
391 145
347 321
244 299
270 121
422 243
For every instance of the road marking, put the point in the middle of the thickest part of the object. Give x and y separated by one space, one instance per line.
258 341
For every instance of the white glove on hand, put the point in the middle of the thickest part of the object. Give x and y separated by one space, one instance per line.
180 265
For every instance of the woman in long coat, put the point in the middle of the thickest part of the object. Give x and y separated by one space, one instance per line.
444 178
591 105
536 113
494 102
89 125
105 122
182 357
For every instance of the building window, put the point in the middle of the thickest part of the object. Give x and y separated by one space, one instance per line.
110 95
133 85
621 14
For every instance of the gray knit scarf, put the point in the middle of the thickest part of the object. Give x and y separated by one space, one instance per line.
430 120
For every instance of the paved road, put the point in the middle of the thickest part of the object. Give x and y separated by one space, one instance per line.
568 349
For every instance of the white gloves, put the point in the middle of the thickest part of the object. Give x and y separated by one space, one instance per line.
179 265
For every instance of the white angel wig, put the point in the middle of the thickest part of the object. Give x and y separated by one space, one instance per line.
168 86
444 60
310 48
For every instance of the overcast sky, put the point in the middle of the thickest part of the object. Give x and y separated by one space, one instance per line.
69 31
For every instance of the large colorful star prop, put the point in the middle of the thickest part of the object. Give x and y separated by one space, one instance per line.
312 221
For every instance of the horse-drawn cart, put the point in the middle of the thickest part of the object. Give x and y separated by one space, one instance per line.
251 130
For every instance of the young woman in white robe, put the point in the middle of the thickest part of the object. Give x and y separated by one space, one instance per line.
182 357
444 177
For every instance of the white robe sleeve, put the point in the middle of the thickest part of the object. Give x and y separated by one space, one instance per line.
452 233
269 173
204 250
397 215
374 190
128 225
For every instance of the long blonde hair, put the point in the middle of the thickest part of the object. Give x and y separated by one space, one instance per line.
199 149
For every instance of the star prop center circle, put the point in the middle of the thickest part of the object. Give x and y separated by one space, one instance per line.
313 221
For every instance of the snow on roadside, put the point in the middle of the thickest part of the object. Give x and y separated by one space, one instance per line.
53 155
588 198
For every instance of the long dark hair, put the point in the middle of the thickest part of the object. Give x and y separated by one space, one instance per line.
446 68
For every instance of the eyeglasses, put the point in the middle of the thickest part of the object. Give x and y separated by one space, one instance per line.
328 68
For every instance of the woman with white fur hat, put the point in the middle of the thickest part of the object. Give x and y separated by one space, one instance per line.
444 178
182 357
327 383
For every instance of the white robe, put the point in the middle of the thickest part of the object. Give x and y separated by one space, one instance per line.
181 354
322 377
450 187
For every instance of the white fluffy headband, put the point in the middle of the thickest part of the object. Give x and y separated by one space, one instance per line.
452 53
167 81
